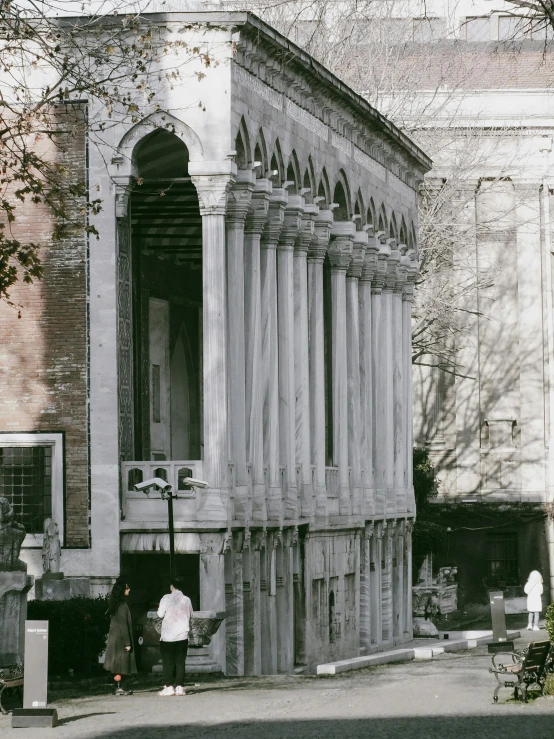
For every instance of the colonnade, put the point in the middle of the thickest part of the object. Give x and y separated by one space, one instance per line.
264 357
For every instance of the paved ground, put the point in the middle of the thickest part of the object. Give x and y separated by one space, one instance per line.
450 697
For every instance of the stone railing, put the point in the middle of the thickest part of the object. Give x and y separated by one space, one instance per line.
332 481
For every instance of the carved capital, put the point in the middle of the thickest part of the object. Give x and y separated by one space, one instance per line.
392 269
307 229
358 252
369 530
278 200
123 189
382 267
212 192
291 223
238 198
341 244
259 208
322 230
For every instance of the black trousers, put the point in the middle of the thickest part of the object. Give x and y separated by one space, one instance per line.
174 656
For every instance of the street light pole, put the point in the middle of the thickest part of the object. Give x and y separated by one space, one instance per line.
172 573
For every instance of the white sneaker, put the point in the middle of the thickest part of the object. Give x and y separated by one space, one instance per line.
536 628
167 690
179 690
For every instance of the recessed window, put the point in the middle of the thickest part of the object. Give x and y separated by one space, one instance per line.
477 29
511 27
31 478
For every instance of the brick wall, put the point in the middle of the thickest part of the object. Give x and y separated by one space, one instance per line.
43 354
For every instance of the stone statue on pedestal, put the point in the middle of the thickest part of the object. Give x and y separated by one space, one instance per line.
11 539
14 585
51 549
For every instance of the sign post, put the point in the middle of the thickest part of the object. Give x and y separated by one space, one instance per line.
500 641
35 687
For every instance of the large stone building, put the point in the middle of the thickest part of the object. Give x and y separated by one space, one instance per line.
243 318
486 96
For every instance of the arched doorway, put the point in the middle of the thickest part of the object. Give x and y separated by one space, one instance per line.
166 237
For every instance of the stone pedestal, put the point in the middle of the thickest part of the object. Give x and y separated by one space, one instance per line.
54 586
14 587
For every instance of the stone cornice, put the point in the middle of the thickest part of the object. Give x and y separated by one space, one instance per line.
341 244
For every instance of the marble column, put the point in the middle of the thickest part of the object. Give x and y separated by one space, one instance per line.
270 351
285 304
212 588
234 619
268 608
386 584
366 375
340 255
400 409
255 223
212 195
375 585
301 359
365 590
316 255
389 332
237 209
285 616
379 376
252 606
398 583
407 298
408 622
353 368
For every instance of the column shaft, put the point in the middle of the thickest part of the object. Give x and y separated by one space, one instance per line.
301 362
379 379
270 351
254 226
239 201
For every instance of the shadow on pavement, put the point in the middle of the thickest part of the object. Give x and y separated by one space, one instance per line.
417 727
70 719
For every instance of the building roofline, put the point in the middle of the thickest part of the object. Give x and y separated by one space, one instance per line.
250 21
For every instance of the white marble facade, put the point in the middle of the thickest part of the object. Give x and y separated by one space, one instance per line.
307 199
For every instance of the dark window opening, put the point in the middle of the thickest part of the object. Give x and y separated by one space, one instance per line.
502 559
26 481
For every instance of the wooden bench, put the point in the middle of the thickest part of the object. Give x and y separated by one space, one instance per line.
11 676
525 669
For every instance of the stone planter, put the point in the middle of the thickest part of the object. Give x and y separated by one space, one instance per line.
203 625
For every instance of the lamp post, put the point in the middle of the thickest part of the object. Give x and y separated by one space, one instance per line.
167 493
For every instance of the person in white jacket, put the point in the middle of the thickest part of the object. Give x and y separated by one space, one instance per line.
533 589
176 611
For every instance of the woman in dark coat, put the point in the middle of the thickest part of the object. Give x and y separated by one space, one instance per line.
120 659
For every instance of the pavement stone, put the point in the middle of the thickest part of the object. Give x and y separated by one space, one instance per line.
449 696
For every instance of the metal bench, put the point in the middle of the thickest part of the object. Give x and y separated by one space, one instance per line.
525 669
11 677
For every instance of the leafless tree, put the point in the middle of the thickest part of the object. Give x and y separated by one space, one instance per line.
50 65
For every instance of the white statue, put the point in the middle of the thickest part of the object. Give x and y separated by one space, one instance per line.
51 550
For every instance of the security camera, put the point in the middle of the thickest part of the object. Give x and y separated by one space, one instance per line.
155 482
195 483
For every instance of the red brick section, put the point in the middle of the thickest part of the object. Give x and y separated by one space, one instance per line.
43 369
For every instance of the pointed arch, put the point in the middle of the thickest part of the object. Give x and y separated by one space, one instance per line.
293 174
261 158
125 161
383 223
309 181
370 215
243 157
359 211
277 166
161 155
393 228
403 232
324 191
341 196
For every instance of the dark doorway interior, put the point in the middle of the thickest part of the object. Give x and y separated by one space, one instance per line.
147 575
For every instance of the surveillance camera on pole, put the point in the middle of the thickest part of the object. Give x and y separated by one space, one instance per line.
166 490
